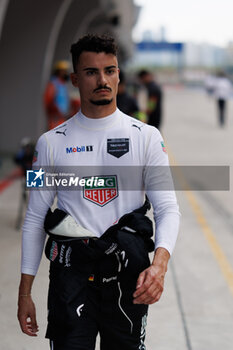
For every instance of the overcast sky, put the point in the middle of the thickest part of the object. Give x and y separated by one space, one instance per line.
187 20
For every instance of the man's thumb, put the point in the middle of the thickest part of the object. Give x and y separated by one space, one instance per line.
140 280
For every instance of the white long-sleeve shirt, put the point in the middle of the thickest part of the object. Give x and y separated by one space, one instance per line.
122 150
223 88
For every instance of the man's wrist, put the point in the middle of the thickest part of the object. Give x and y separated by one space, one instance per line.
25 286
161 257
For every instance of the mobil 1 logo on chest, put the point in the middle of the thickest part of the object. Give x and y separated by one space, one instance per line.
101 192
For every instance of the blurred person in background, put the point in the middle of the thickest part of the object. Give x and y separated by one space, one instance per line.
222 92
127 103
24 155
24 159
56 97
209 84
154 103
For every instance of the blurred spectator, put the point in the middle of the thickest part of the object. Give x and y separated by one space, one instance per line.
210 84
126 103
56 97
154 104
24 155
24 158
222 92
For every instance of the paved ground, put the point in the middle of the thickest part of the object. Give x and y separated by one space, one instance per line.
196 310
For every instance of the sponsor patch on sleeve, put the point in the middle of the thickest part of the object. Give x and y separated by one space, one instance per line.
163 147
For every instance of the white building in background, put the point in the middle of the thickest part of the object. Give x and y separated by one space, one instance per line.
180 55
203 55
229 54
158 54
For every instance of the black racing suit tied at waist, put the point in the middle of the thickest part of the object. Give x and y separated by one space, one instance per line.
135 226
118 256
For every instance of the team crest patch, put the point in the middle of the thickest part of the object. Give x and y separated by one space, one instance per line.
163 147
53 251
117 147
102 192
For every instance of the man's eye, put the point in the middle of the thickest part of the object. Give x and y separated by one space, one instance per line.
90 72
110 71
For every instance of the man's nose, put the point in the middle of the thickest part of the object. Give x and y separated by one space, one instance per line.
102 79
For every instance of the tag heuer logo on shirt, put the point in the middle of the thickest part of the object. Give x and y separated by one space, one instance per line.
101 194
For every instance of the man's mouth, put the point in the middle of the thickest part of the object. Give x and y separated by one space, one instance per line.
103 89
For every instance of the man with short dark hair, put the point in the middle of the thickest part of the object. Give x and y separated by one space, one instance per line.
101 280
154 103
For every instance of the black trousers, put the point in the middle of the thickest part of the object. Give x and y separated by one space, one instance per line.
221 111
80 308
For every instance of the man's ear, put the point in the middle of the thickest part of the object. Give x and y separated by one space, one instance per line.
118 75
74 79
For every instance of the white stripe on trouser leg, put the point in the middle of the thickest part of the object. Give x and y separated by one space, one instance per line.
119 263
143 333
119 303
51 345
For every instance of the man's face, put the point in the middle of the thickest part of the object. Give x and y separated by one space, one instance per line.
97 78
63 74
145 79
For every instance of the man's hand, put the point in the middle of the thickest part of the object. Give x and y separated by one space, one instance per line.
26 307
27 316
150 282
